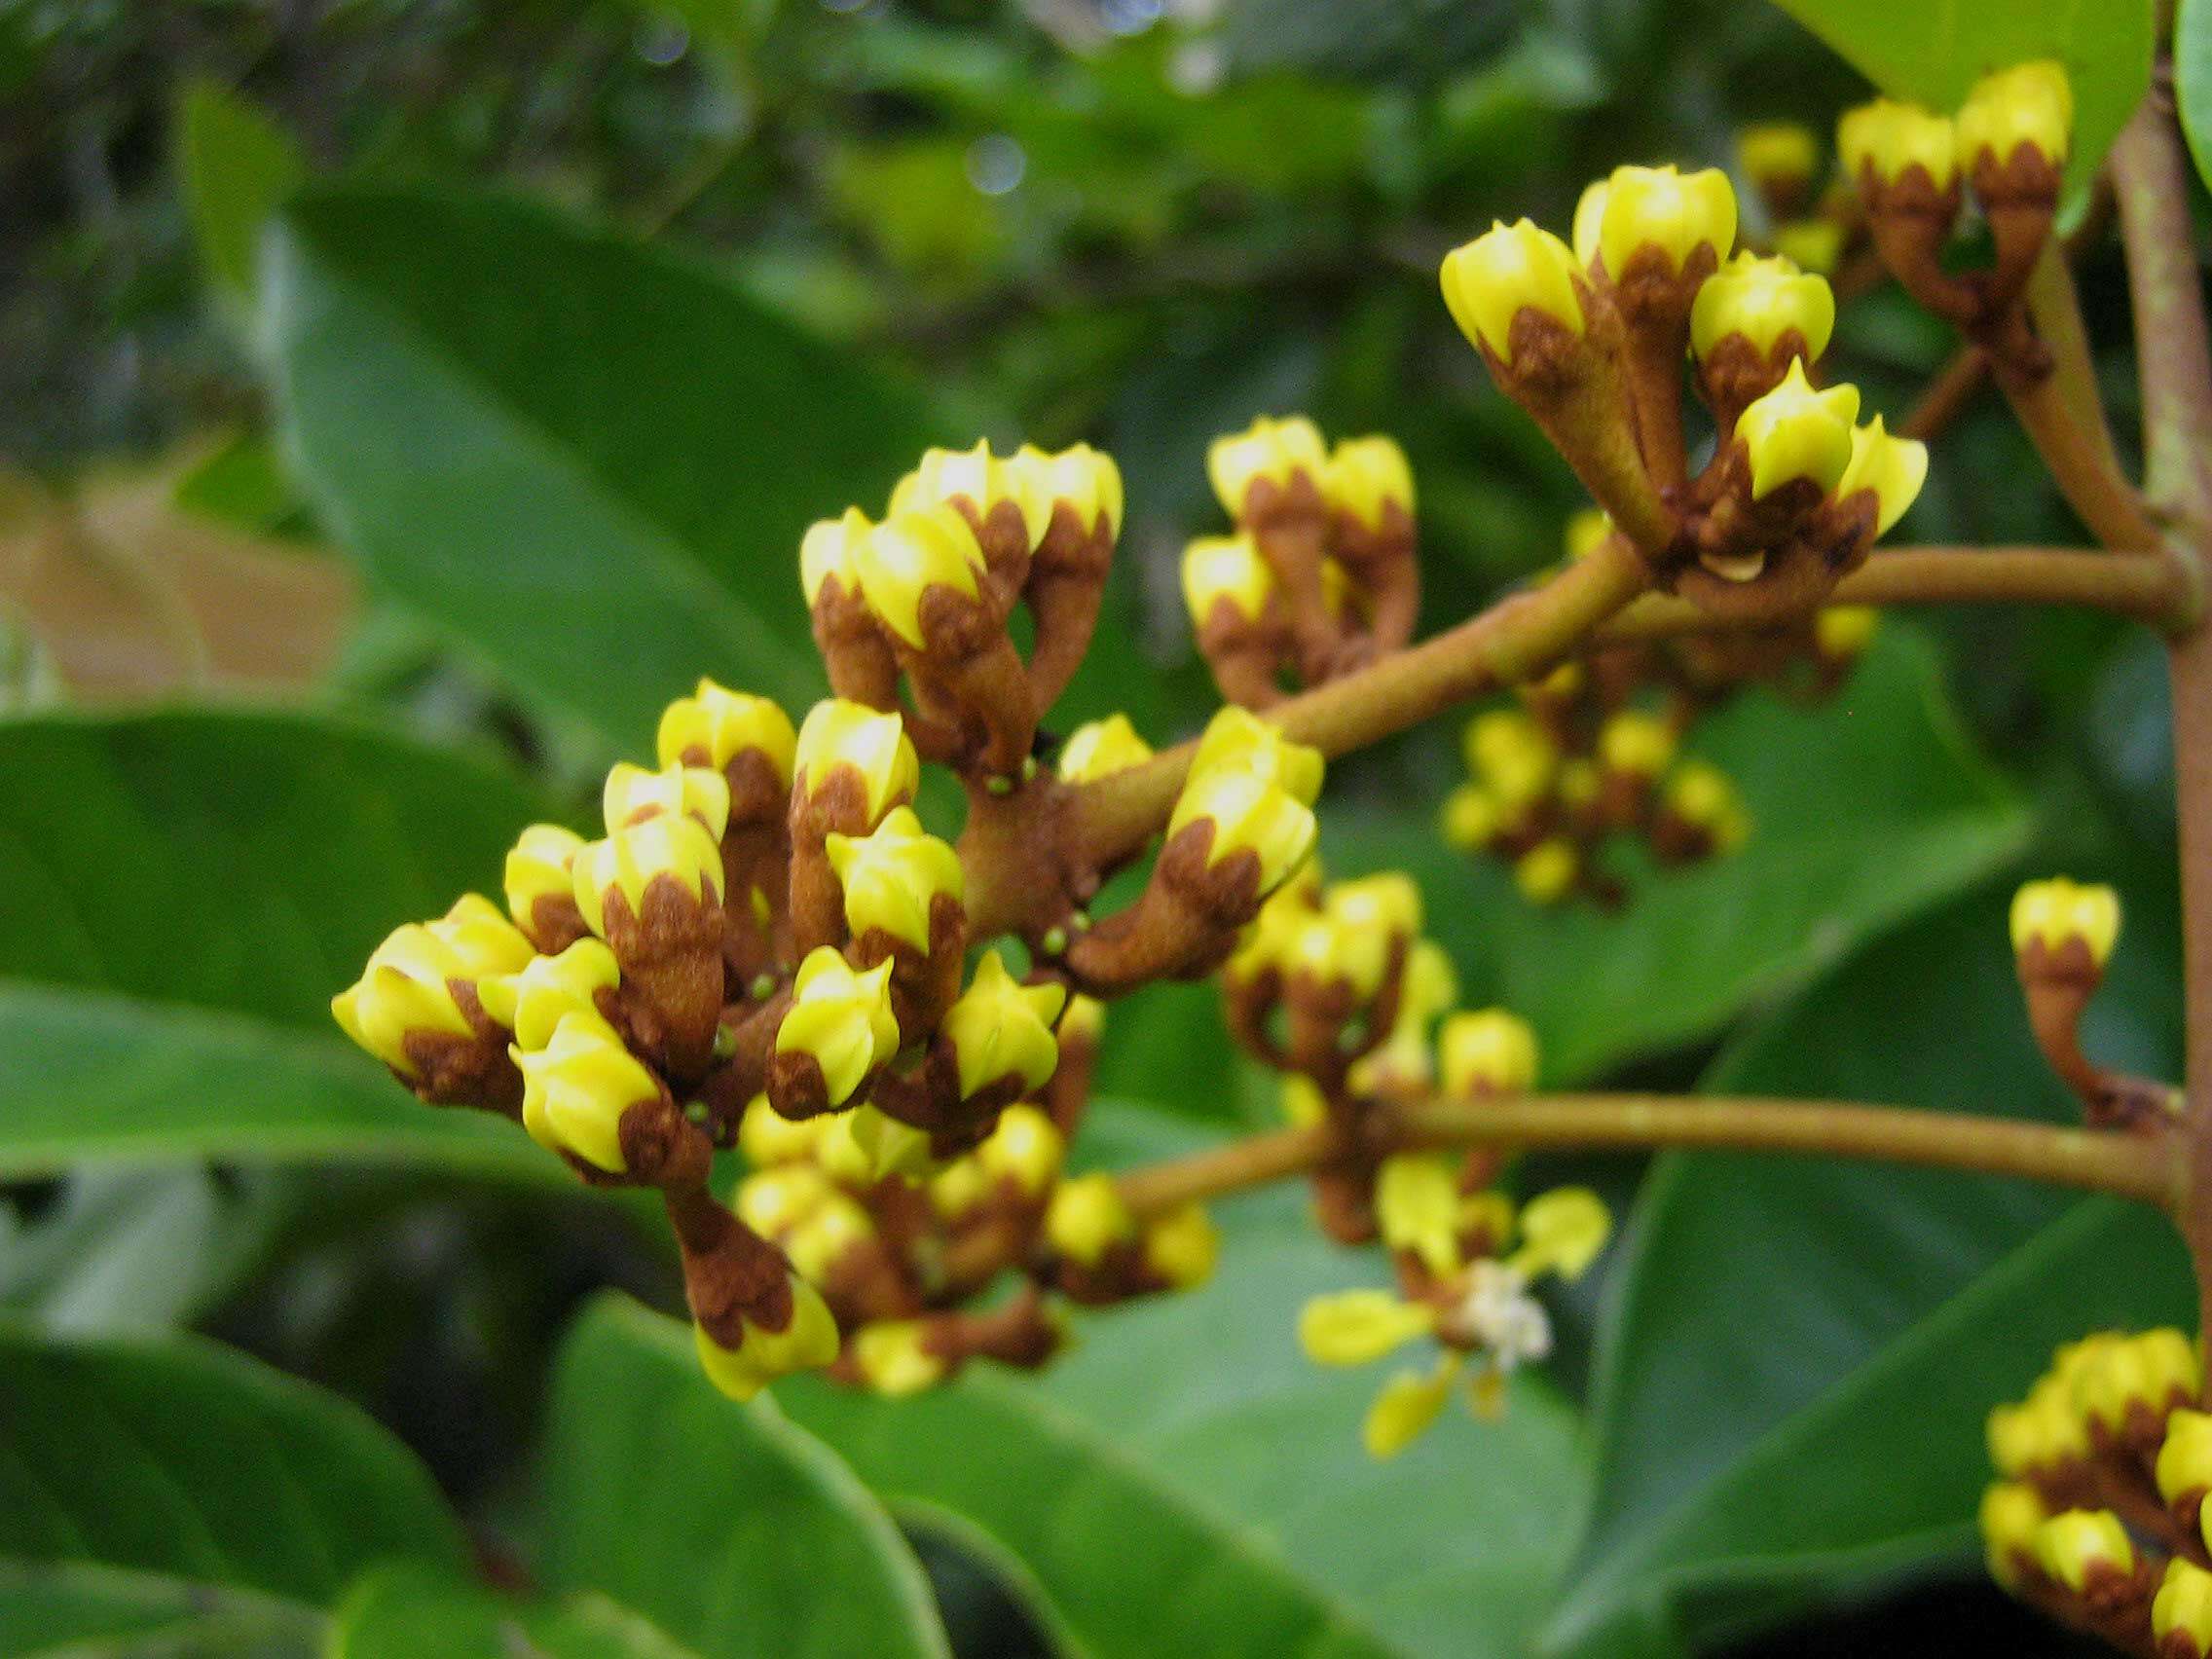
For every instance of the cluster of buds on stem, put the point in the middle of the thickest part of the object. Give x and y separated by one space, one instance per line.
2098 1517
1319 576
2063 934
1909 166
1591 339
1811 228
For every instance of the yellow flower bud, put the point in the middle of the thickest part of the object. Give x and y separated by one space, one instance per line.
633 793
576 1088
1240 741
907 554
1510 752
1810 245
1365 476
1586 532
774 1200
768 1138
1224 566
2010 1514
1562 1231
2058 909
1794 432
1300 1101
1416 1202
1469 818
866 1145
1389 901
1086 1218
2058 1431
893 1358
540 866
532 1003
1588 219
958 1188
2185 1459
1506 270
838 733
1675 212
1762 300
826 1233
841 1018
1026 1148
1248 814
1431 984
1087 479
1843 631
2183 1604
1893 468
1270 449
1181 1247
721 724
1357 1327
1699 793
1635 742
892 875
1098 749
983 478
1001 1027
1777 155
830 547
809 1341
1405 1409
2070 1546
1886 137
1083 1020
408 982
2145 1371
1547 873
2029 103
630 858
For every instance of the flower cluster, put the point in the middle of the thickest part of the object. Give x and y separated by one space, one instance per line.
2098 1515
1780 160
1320 576
1591 339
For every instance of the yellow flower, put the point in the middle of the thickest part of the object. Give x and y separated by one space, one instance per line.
910 552
541 867
2184 1457
1794 432
576 1088
1357 1327
1026 1148
865 1145
634 793
1762 300
2029 103
2072 1545
1087 479
1893 468
408 982
1588 219
1547 873
1002 1028
715 725
767 1137
1675 212
1300 1101
1083 1020
2147 1369
775 1199
809 1341
843 1018
958 1188
1469 818
1248 814
892 875
1635 742
1813 245
830 547
823 1238
1700 795
1416 1202
1886 137
1843 631
1488 1051
838 733
983 478
1239 740
1506 270
1387 902
1365 476
2184 1603
1098 749
1086 1218
1586 532
1407 1406
1270 449
2058 909
1224 566
1513 757
893 1358
2011 1513
1777 155
632 858
1562 1231
532 1003
1182 1246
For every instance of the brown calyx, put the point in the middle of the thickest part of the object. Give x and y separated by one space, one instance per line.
671 955
1736 374
854 650
732 1276
476 1070
971 682
1182 926
1067 580
554 923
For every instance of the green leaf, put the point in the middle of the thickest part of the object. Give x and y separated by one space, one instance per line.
1933 54
180 896
1864 811
731 1529
1801 1354
172 1485
1186 1482
591 460
2192 79
406 1612
239 167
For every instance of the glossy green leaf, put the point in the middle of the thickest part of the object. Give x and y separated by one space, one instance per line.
239 167
408 1612
1933 52
147 1485
1864 810
1801 1352
1185 1482
591 461
180 896
2192 79
731 1529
